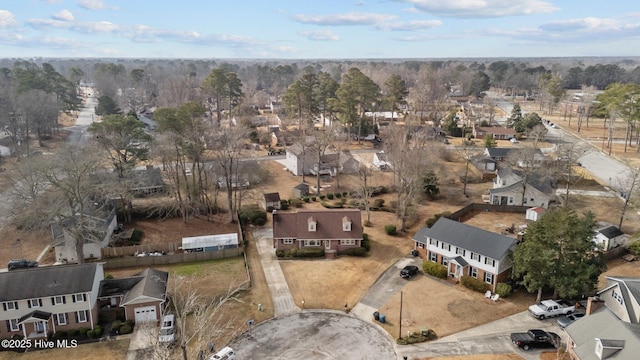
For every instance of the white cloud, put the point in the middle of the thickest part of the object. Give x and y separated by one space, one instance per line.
7 19
483 8
320 35
81 27
352 18
47 42
410 25
95 5
63 15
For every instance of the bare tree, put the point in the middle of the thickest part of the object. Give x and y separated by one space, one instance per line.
365 188
628 184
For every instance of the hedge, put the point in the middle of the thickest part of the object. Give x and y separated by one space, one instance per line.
432 220
296 203
252 215
365 241
435 269
354 251
474 284
310 252
378 203
331 206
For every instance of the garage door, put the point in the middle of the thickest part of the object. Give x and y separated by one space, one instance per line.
146 313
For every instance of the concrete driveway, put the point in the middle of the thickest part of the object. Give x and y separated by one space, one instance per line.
312 335
143 342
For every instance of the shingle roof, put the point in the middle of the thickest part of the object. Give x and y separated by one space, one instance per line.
153 284
47 281
492 245
272 197
610 231
329 224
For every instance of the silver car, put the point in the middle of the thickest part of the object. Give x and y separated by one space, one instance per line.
567 320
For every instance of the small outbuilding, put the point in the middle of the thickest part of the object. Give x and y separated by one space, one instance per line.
271 201
210 242
534 213
299 191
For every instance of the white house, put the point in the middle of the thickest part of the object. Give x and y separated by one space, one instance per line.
608 236
466 250
508 189
64 243
381 161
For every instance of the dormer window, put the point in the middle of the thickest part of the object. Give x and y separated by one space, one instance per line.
312 224
346 224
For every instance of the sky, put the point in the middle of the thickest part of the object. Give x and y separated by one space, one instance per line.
318 29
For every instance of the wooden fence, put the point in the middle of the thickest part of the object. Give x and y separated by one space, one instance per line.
150 261
110 252
487 208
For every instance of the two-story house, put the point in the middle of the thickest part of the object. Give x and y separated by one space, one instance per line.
510 185
466 250
64 242
333 230
611 328
39 301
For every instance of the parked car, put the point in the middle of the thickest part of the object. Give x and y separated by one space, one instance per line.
567 320
535 338
21 264
408 271
226 353
168 329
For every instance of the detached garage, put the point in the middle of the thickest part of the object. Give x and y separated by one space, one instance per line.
210 242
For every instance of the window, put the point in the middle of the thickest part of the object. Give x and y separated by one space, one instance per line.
11 305
346 224
421 245
433 257
531 200
448 247
525 201
617 297
311 224
433 242
57 300
79 297
312 243
460 251
473 272
61 319
347 242
510 199
81 316
34 303
475 257
287 241
445 262
13 325
442 245
488 278
489 261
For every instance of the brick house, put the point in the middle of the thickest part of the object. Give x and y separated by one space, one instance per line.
39 301
466 250
333 230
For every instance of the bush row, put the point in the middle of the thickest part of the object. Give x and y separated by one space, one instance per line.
354 251
301 253
474 284
434 269
81 333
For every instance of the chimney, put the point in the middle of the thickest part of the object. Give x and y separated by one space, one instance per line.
593 304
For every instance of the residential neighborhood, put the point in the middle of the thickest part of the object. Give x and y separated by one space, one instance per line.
141 226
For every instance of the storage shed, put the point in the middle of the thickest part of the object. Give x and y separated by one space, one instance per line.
210 242
534 213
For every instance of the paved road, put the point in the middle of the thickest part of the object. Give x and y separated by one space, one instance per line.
86 116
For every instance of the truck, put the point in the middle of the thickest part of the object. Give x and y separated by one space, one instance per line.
551 308
535 338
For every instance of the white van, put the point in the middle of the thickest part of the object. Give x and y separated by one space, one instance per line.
168 329
226 353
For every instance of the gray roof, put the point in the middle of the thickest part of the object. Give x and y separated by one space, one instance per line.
540 182
610 231
492 245
603 324
153 284
272 197
47 281
502 152
301 186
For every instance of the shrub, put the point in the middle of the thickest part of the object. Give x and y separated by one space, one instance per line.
60 334
355 251
91 334
293 252
313 198
390 229
306 199
269 209
130 323
252 215
432 220
116 324
344 194
322 197
136 236
284 204
503 290
108 276
260 221
378 203
393 204
435 269
296 203
417 337
474 284
310 252
72 332
365 242
280 253
97 330
126 329
330 196
367 223
331 206
337 195
83 331
634 248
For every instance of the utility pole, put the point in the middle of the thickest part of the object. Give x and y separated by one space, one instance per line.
400 322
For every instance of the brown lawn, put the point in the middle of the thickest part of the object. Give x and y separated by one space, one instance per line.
111 350
478 357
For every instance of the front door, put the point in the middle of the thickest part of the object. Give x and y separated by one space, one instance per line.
458 271
327 244
40 326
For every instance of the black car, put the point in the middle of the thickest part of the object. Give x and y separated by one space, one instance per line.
21 264
408 271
